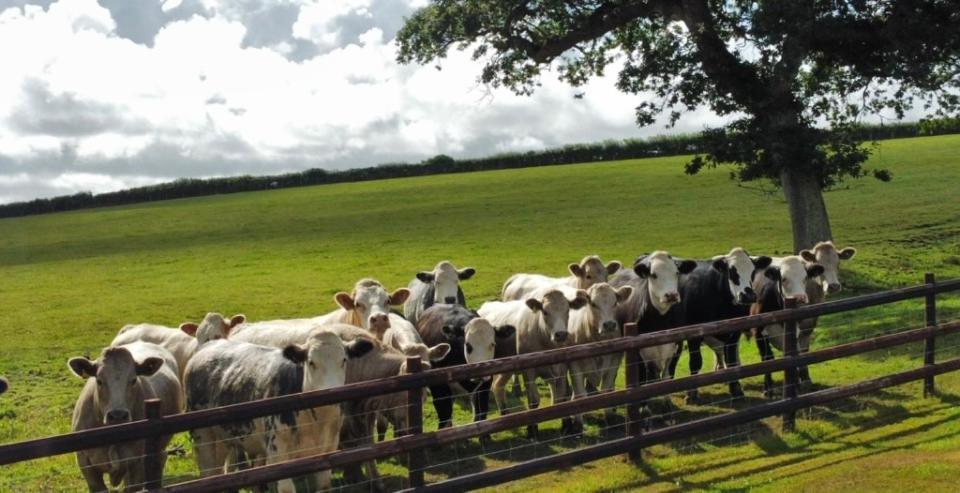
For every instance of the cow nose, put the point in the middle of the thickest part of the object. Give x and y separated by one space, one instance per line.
379 320
450 300
672 298
610 326
833 287
801 299
118 416
747 297
560 336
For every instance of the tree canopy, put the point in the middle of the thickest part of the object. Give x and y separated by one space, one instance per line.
780 69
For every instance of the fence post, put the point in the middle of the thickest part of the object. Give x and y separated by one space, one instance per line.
929 346
415 458
632 363
152 451
790 376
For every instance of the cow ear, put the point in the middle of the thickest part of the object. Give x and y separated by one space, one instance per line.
83 367
426 277
761 262
576 270
237 320
440 351
345 301
149 366
808 255
623 294
686 266
295 353
189 328
814 270
399 296
847 253
772 273
505 331
642 270
719 263
580 300
534 304
466 273
358 347
613 267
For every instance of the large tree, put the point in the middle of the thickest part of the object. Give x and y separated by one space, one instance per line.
781 69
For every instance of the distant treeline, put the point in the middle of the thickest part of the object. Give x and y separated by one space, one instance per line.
610 150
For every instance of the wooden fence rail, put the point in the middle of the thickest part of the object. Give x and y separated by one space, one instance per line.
413 384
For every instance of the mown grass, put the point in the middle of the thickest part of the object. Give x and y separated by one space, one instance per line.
69 281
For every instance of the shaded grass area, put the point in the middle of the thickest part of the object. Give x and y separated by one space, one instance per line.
69 281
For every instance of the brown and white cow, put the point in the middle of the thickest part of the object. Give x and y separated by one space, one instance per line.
788 278
368 306
441 285
403 336
228 372
116 385
541 323
181 343
594 323
588 272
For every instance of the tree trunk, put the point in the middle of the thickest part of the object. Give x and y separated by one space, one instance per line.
808 212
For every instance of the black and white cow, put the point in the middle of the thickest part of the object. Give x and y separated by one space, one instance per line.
472 339
653 305
229 372
441 285
788 279
719 289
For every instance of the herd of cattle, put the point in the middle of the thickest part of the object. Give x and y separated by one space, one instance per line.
223 361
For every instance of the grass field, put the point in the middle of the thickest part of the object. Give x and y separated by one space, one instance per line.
69 281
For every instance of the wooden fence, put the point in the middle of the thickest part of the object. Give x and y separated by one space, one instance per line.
414 444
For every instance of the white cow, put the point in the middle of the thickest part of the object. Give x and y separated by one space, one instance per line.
588 272
228 372
441 285
541 323
597 322
368 307
181 343
116 385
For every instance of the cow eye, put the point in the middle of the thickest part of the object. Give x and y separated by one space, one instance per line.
469 347
653 276
99 383
311 364
133 380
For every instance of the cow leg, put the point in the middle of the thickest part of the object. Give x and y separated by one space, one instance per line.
696 364
516 390
578 372
731 359
205 449
766 354
803 343
608 381
480 396
560 392
499 388
382 427
91 474
443 403
533 399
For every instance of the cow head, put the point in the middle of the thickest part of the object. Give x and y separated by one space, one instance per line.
827 255
591 270
603 306
446 281
480 340
554 310
739 267
3 385
119 393
324 358
370 303
425 353
662 273
214 326
791 276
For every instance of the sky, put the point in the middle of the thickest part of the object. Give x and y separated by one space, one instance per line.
103 95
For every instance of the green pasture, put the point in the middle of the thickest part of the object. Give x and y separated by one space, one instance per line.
69 281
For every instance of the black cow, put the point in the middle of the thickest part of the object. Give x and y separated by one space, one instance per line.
472 339
719 289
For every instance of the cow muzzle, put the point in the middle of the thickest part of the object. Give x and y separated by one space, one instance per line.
450 300
833 287
379 322
560 336
746 297
117 416
671 298
609 326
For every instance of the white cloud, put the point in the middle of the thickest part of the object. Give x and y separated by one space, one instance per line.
85 106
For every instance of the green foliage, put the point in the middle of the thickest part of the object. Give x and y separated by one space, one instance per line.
71 280
783 65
